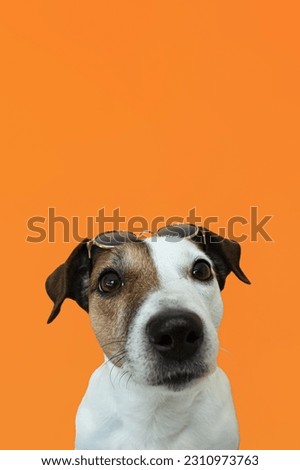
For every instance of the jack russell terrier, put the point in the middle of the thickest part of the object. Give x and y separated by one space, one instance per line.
155 307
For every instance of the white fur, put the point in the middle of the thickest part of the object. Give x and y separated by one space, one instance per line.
115 414
122 411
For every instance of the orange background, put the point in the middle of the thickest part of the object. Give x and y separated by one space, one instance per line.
153 107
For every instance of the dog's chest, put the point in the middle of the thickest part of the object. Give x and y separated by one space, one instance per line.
108 419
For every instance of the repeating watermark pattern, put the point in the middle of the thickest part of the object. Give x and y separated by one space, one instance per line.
56 228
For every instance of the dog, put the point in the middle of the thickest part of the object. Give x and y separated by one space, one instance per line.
155 307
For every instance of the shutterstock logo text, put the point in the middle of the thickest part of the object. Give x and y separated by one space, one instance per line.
53 227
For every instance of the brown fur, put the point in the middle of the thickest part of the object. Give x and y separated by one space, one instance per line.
111 314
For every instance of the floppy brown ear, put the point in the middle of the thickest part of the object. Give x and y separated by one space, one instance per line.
70 280
225 254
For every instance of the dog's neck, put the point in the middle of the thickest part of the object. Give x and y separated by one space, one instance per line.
123 414
159 409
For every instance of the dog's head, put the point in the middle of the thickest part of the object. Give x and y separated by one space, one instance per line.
155 306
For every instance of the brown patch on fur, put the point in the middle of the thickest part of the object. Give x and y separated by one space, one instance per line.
111 314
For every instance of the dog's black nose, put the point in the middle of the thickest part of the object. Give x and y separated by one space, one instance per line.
175 334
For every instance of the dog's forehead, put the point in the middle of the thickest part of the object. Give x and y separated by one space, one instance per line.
173 253
162 253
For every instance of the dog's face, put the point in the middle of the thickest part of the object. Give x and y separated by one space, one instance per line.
155 306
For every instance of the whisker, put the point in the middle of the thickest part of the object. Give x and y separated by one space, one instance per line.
224 350
123 375
120 355
110 377
117 354
113 342
130 377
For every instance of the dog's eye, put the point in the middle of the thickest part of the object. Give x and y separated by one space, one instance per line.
202 270
109 281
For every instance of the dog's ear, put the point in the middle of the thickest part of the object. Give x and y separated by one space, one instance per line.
70 280
225 254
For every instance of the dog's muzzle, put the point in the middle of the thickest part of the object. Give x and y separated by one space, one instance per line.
176 335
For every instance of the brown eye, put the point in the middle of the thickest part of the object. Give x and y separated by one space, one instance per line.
202 270
109 281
